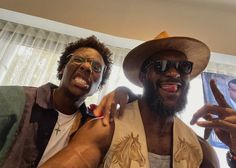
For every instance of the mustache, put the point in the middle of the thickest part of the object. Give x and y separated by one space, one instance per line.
170 80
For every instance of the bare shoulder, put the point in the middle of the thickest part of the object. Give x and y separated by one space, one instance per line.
210 159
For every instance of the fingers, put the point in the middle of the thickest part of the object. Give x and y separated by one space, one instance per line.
103 121
218 123
219 97
231 119
212 109
202 112
110 107
106 119
109 104
207 133
99 109
106 108
224 136
121 110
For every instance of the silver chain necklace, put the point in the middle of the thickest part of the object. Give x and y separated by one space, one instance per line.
58 129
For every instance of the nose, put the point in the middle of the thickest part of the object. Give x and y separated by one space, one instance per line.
172 72
86 68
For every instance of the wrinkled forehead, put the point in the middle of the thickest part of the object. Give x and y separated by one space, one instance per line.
172 55
88 52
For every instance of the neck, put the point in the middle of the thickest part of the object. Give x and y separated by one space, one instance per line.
158 130
151 120
65 103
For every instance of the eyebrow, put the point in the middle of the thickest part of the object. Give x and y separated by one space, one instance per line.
87 57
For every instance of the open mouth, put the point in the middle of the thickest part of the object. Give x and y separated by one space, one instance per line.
80 82
170 87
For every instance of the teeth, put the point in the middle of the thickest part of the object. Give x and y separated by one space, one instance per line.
82 82
170 88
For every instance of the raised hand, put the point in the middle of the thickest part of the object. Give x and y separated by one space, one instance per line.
225 122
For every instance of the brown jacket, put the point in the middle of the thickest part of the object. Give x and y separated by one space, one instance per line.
35 128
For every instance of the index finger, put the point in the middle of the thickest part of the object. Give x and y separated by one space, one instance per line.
99 111
219 97
222 112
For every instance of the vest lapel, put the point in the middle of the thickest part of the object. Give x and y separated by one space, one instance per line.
187 151
129 147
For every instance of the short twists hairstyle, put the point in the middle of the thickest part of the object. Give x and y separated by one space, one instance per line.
90 42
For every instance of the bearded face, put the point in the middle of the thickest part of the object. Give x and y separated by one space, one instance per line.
159 104
166 82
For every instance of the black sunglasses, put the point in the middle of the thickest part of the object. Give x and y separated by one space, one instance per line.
162 66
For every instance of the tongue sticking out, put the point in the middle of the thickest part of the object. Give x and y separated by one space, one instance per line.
170 88
81 83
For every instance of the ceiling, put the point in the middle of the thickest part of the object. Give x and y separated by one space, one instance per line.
212 21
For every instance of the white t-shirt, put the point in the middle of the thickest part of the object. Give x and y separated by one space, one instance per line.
159 161
60 136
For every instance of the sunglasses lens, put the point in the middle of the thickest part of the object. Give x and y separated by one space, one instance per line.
160 66
185 67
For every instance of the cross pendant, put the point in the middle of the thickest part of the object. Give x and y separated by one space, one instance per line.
57 130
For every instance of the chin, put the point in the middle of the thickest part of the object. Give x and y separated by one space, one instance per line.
170 105
77 92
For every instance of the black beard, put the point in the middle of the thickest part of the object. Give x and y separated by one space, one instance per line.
155 101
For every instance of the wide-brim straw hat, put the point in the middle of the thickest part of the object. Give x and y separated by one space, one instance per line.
195 51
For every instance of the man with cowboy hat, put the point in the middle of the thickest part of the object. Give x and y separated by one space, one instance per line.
149 134
163 67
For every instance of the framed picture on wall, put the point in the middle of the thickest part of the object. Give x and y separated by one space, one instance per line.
227 85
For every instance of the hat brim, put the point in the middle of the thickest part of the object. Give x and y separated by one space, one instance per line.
195 51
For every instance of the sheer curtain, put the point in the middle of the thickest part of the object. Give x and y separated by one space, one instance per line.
29 56
117 77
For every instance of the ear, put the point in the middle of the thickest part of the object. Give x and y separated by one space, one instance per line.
61 72
142 76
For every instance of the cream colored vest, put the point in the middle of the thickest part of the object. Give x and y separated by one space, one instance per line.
129 147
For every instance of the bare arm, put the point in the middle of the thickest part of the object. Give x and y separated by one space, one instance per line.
87 148
210 159
91 142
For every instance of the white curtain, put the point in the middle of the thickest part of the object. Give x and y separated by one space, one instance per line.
222 68
29 56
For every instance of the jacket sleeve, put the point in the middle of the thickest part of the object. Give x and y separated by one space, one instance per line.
12 102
